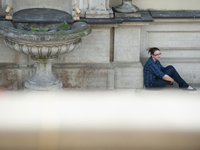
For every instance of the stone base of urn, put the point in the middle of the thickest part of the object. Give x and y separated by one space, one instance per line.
126 9
43 80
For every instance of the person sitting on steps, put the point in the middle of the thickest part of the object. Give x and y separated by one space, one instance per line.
157 76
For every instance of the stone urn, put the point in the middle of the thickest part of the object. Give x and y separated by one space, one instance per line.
43 48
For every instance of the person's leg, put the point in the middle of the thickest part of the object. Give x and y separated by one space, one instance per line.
159 83
171 71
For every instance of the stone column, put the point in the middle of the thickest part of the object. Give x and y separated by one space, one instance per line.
97 9
128 68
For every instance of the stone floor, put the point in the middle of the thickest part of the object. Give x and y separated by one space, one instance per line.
112 119
111 103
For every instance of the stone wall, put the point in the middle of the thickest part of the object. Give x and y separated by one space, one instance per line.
111 57
100 62
162 4
179 44
88 4
25 4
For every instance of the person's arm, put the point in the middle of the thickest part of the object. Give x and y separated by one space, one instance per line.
168 78
155 70
162 66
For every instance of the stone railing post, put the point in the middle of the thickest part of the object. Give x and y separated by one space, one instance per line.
95 9
99 9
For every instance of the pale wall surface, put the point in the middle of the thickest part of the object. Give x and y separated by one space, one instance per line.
95 48
127 44
162 4
179 45
9 56
111 56
25 4
142 4
91 66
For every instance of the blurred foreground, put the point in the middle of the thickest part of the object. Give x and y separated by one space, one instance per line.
87 120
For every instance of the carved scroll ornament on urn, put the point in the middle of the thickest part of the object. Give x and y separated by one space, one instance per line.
8 12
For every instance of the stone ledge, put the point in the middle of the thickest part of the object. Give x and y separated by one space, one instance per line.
83 65
4 66
127 64
175 60
147 16
175 14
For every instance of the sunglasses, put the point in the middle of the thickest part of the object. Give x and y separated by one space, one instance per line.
157 54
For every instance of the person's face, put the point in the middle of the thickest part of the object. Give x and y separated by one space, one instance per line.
156 55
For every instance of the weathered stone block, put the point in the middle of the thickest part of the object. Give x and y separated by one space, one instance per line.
127 44
111 79
95 48
95 79
79 77
99 14
13 78
128 75
174 39
2 81
99 9
71 78
9 56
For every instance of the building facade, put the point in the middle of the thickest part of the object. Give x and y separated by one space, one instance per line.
113 55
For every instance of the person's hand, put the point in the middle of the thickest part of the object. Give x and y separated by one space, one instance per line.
172 81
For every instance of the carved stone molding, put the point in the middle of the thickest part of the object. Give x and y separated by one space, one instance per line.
42 49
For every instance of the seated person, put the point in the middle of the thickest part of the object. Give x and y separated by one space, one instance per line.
157 76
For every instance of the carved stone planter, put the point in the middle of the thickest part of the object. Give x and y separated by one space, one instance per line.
43 48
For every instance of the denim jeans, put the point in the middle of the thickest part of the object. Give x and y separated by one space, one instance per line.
170 71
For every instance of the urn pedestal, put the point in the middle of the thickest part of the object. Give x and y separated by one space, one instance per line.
126 9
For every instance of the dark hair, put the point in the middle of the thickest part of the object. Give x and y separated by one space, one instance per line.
152 50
